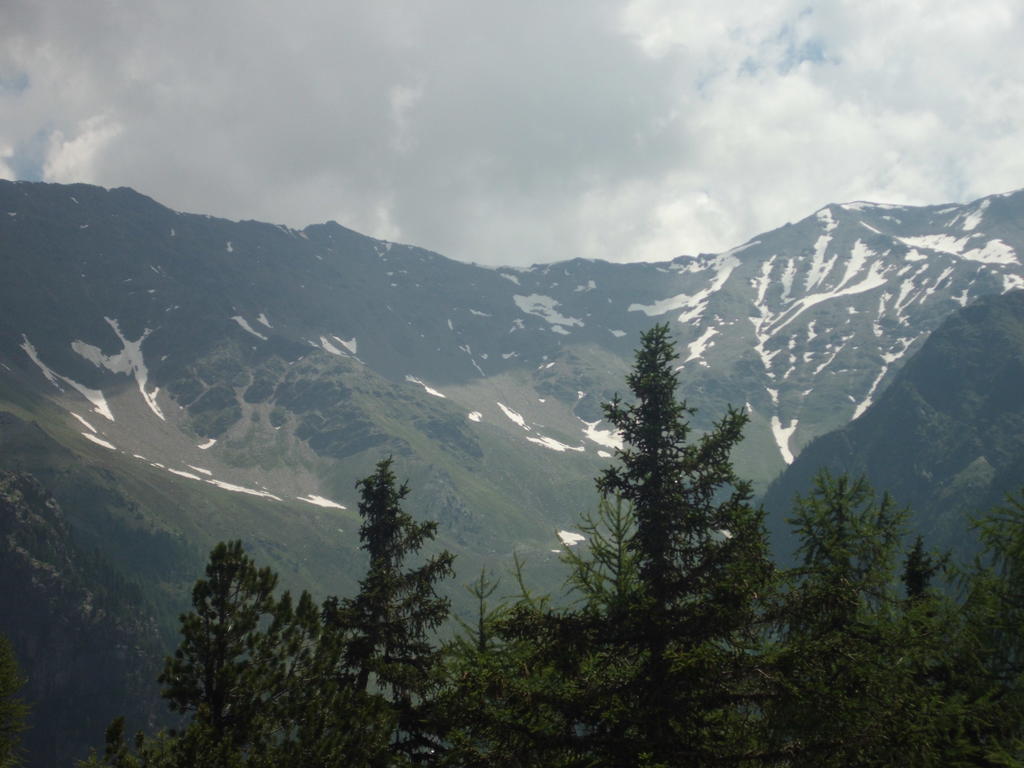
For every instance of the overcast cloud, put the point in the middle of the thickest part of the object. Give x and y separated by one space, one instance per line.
513 133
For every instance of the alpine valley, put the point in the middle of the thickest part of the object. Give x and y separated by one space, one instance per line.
174 379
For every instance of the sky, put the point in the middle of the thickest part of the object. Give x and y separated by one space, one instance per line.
519 132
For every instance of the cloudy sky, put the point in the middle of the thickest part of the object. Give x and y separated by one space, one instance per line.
519 132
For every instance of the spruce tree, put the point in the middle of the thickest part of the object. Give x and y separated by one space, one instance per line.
686 639
397 609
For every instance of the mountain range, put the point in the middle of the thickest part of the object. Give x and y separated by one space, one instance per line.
174 379
276 366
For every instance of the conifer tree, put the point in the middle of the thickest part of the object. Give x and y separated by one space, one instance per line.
992 666
653 662
865 677
212 675
397 609
682 644
262 681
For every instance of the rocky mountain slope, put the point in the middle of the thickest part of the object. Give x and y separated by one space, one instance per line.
270 367
83 634
946 438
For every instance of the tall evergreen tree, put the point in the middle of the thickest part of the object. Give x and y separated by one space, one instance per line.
701 556
653 663
397 609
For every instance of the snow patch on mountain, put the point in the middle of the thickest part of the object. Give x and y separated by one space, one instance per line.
429 390
606 437
128 361
208 444
183 473
820 267
546 308
697 348
263 320
693 305
320 501
554 445
570 539
973 219
99 441
782 436
942 243
513 416
90 427
94 396
241 489
351 345
827 219
246 327
474 416
328 347
994 252
874 279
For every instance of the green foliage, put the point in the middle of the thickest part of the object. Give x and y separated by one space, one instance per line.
700 554
606 579
212 674
397 609
993 674
863 676
13 711
653 662
262 682
679 643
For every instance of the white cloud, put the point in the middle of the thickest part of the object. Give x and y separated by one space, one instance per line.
71 159
520 132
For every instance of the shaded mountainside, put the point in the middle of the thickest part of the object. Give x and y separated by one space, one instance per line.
84 635
947 437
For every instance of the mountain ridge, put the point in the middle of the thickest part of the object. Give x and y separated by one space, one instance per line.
302 355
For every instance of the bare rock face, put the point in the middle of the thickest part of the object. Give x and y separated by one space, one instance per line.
80 632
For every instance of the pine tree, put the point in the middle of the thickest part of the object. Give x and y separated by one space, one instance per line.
212 675
13 710
262 681
396 611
